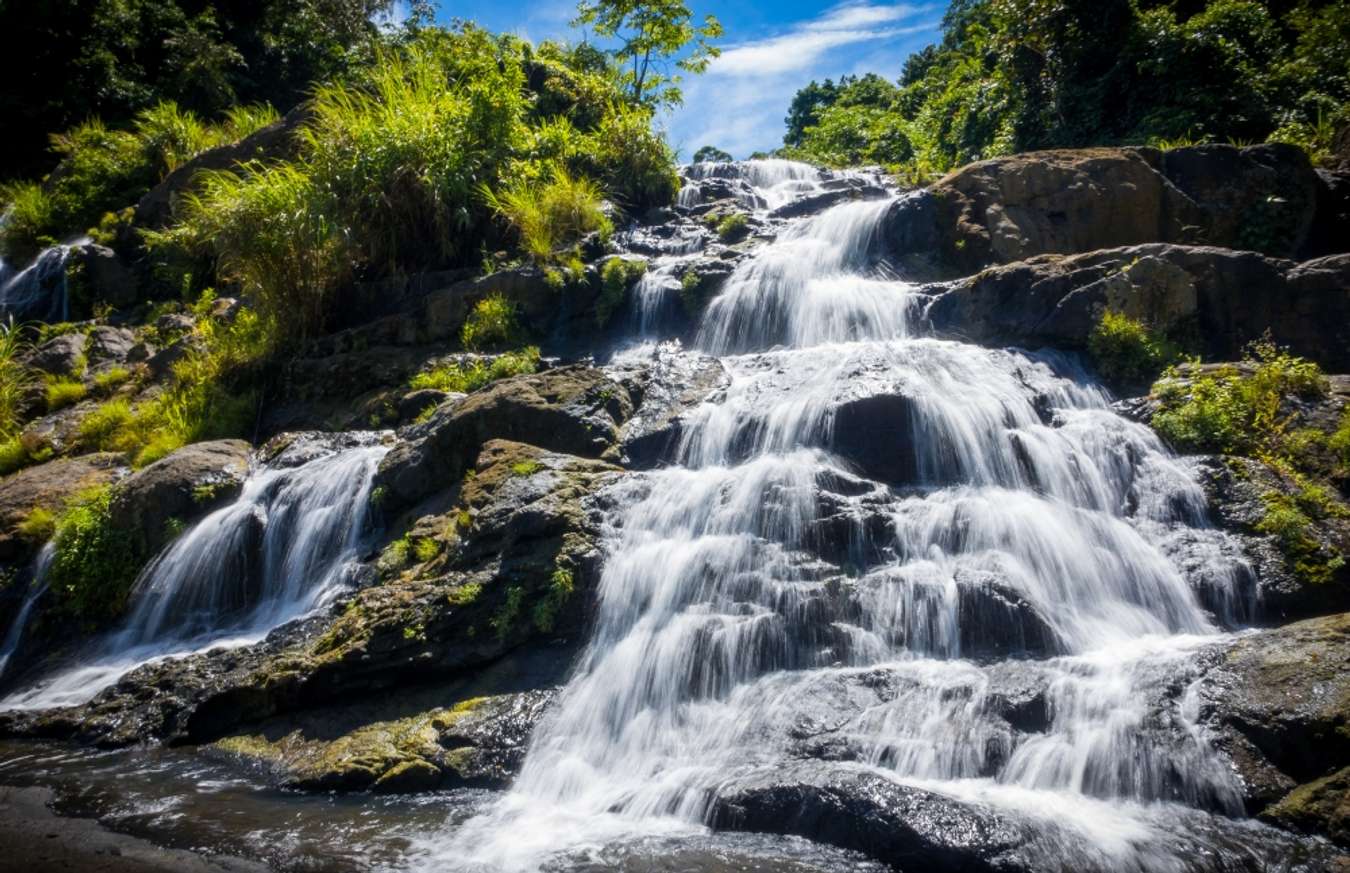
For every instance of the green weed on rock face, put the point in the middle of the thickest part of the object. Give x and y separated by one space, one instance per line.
94 566
1126 351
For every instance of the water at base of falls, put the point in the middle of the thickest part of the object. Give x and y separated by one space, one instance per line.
285 547
764 602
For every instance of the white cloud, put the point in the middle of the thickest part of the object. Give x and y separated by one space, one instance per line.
739 104
393 17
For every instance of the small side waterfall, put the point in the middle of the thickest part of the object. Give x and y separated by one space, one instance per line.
287 546
36 588
872 539
38 292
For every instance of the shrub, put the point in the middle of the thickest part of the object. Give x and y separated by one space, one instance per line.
552 214
733 227
170 137
632 161
1126 351
269 231
463 378
29 222
63 391
616 277
94 566
491 324
1235 412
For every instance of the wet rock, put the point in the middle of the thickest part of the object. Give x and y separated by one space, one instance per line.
60 356
1010 209
576 410
108 278
1225 299
153 504
903 826
665 387
876 435
1278 705
1238 490
995 621
47 486
479 742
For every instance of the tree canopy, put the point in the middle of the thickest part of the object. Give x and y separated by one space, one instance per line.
653 37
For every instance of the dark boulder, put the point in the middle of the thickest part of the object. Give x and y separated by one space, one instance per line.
64 355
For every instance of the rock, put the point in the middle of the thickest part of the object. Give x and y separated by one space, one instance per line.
110 345
174 323
47 486
479 742
162 362
61 356
664 387
414 403
1236 488
151 505
876 435
1013 208
1224 299
108 278
576 410
905 827
1278 705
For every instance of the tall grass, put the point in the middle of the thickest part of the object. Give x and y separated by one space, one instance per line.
16 380
552 214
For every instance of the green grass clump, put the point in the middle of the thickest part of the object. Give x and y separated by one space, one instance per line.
616 277
464 378
491 324
63 391
552 214
733 227
111 379
1126 351
107 428
38 525
94 566
13 455
15 379
526 468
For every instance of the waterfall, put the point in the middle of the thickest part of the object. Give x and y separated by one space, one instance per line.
285 547
37 292
1001 525
36 588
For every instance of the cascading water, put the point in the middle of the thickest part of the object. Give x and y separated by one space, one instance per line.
37 292
286 546
36 588
763 593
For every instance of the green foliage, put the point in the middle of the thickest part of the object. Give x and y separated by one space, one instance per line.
733 228
1237 410
560 587
1291 519
111 379
616 277
15 380
1339 441
653 36
38 525
507 615
94 565
426 548
1126 351
526 468
63 391
551 214
465 594
107 428
1020 75
633 163
463 378
711 154
491 324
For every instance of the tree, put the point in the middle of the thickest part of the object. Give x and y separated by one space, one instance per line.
654 36
711 153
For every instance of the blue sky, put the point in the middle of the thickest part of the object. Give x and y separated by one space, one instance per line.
770 50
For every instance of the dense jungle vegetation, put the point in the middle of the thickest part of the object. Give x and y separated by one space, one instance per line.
1018 75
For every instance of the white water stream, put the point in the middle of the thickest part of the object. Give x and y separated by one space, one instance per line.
723 625
285 547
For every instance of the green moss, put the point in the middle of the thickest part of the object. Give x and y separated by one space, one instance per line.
464 378
1126 351
526 468
505 619
465 594
94 565
62 392
560 588
425 549
616 277
38 525
733 228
